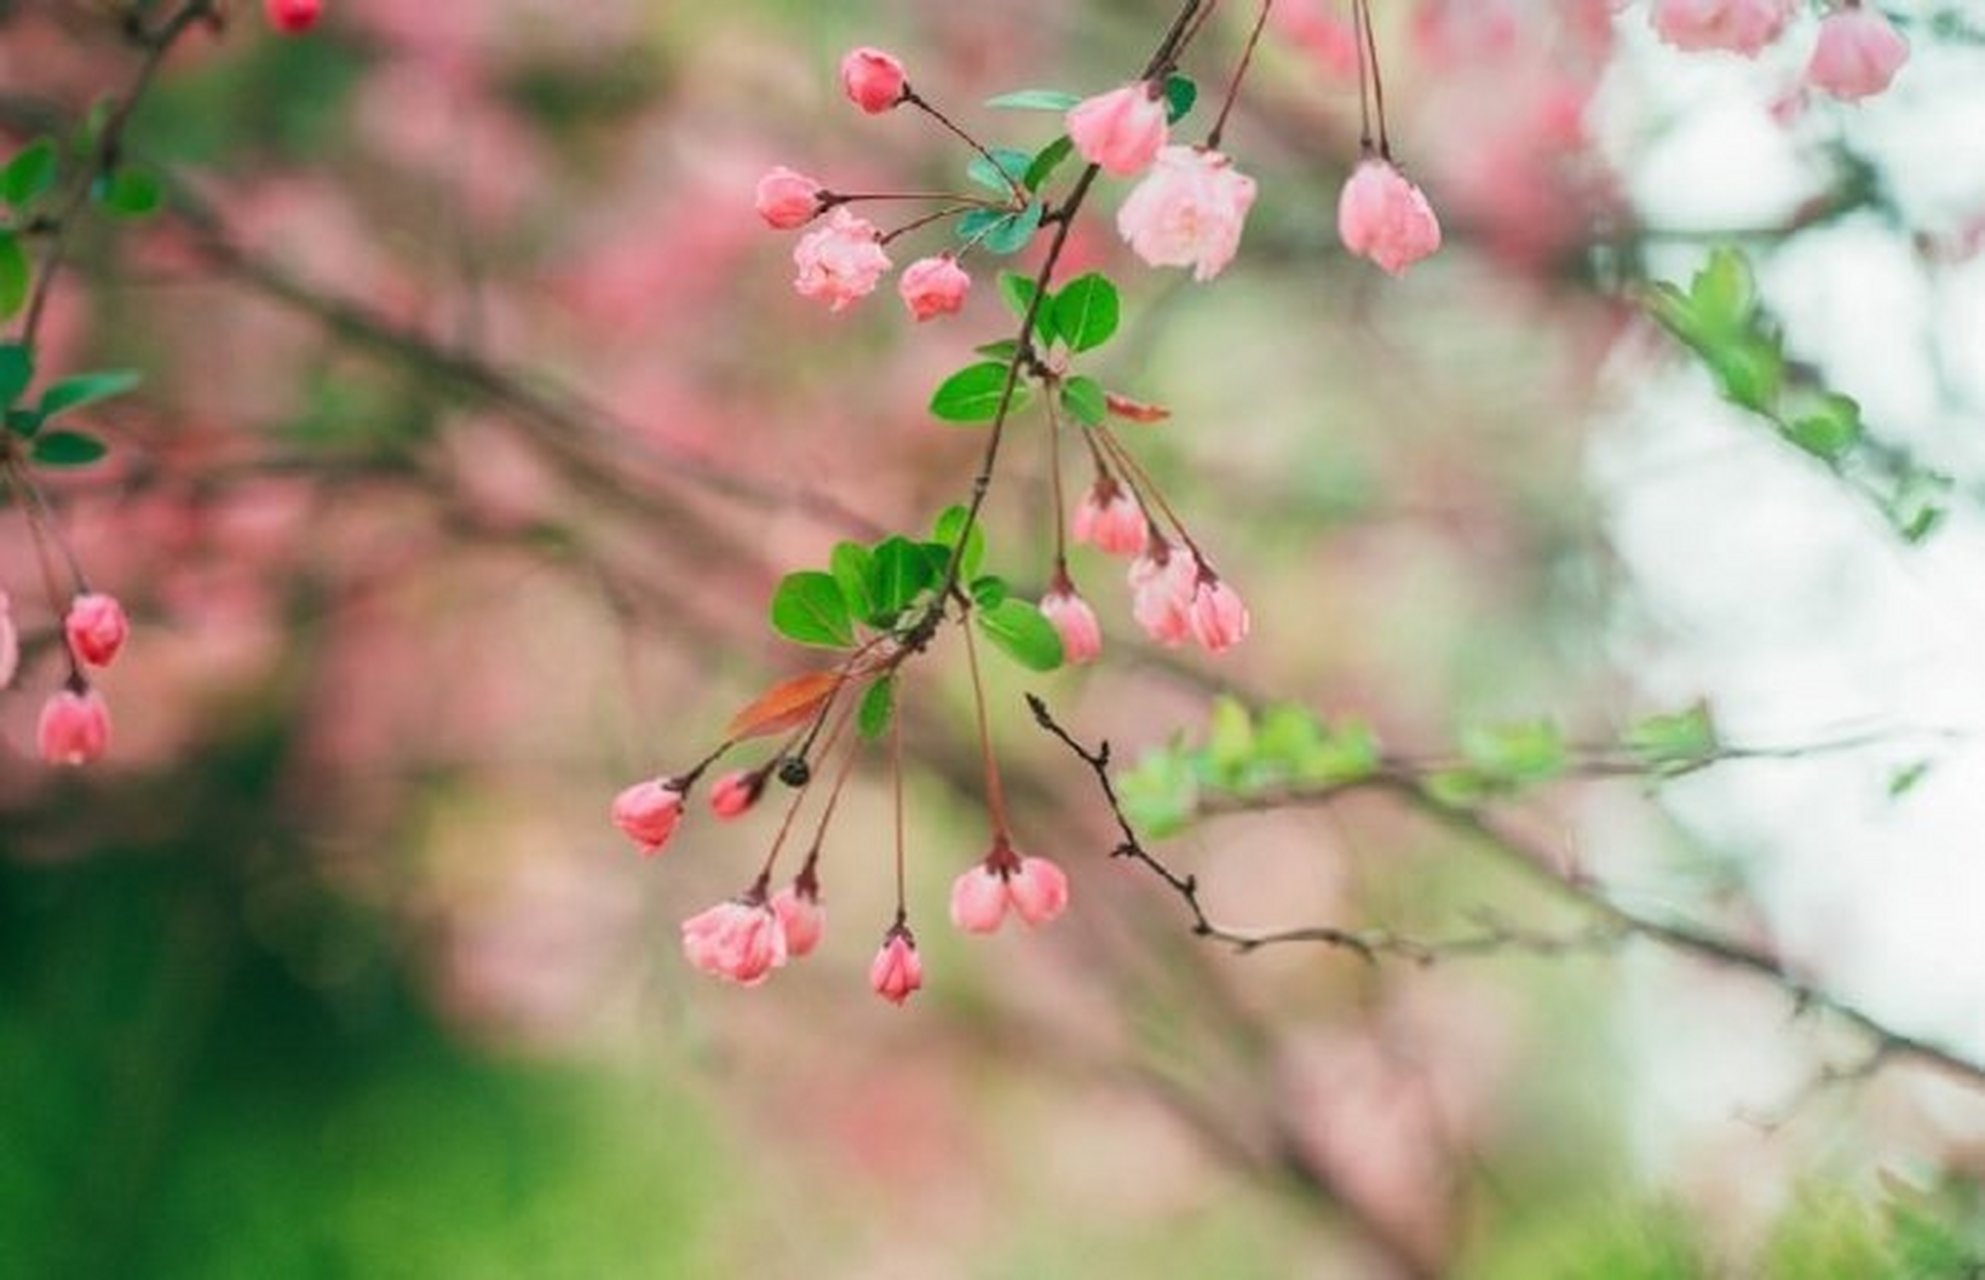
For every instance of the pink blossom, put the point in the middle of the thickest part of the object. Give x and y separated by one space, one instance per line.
732 795
1038 891
897 970
800 915
1035 888
1188 211
873 80
787 200
1110 520
1073 619
978 898
10 643
1328 39
96 628
74 728
741 940
293 17
1386 218
1163 582
1218 617
841 261
648 811
933 287
1858 53
1121 130
1740 26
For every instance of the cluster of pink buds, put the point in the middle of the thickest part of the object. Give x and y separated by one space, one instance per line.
293 17
74 728
1856 56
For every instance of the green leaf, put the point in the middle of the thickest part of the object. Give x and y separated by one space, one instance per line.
1829 431
67 449
1018 291
1087 311
16 371
1046 161
1349 753
1034 100
1526 752
973 393
1749 371
1457 788
29 174
1723 294
1023 633
945 532
1011 165
878 706
15 274
1085 398
1003 350
88 388
133 193
809 608
1905 780
1161 795
1180 94
900 572
1673 741
23 422
999 232
989 591
1230 740
850 563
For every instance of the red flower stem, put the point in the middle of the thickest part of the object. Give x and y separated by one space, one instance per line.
1240 73
995 790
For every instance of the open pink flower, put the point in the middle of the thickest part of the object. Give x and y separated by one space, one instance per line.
800 915
873 80
1163 583
934 286
840 262
897 970
1034 888
1386 218
1188 211
1218 617
647 812
732 795
978 899
787 200
96 627
1858 53
1121 130
1073 619
1110 520
10 643
293 17
741 940
74 727
1739 26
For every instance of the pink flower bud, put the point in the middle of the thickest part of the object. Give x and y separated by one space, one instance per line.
787 200
10 643
74 728
800 915
96 628
1110 520
732 795
897 970
1073 619
1163 582
293 17
933 287
978 899
1038 890
740 940
1188 211
1739 26
1858 53
648 811
873 80
840 262
1121 130
1218 617
1386 218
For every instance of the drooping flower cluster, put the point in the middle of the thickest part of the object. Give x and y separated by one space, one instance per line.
1856 56
74 725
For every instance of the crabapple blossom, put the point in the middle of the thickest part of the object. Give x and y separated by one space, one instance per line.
787 199
96 628
1110 520
978 899
293 17
1218 617
1739 26
741 940
800 915
873 80
1073 619
1858 53
1038 891
933 286
1384 217
1188 211
647 812
74 727
897 970
1034 888
732 795
841 262
1119 131
1163 583
10 643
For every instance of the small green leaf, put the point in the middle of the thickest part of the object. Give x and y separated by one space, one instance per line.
23 422
1723 293
1530 751
1023 633
989 591
15 274
850 563
1674 741
1087 311
1160 795
1018 291
1180 94
1905 780
998 232
973 393
1085 398
1457 788
16 371
29 174
878 706
1230 740
1349 753
133 193
1829 431
1034 100
945 533
900 572
1011 165
1003 350
88 388
809 608
66 449
1046 161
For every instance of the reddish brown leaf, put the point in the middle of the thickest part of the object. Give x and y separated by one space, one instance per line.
1135 410
785 705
